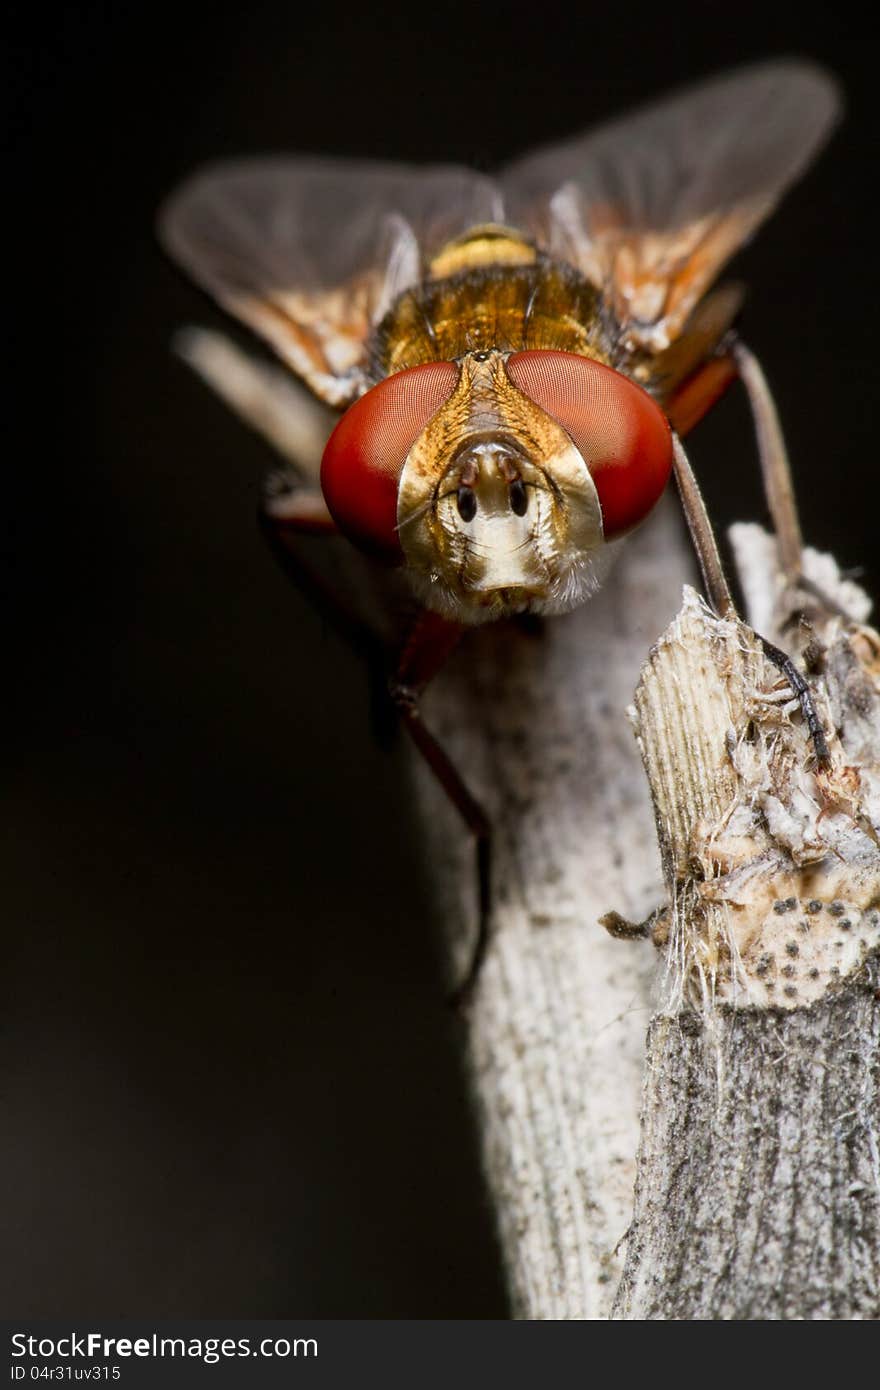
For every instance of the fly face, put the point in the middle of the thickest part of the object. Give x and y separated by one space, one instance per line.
497 512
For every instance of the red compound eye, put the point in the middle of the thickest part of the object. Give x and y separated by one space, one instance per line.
365 454
621 433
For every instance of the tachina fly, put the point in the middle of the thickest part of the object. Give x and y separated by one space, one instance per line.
516 358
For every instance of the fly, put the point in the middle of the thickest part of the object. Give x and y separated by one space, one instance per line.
516 359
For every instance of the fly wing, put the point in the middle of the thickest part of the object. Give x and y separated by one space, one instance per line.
311 252
650 207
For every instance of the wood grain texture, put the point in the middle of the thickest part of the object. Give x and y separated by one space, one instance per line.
757 1182
758 1190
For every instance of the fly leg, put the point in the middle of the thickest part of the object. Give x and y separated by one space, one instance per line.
703 538
775 467
702 534
431 642
776 476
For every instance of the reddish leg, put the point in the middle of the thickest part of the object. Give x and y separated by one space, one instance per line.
430 644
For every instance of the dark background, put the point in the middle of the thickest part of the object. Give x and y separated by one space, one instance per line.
229 1084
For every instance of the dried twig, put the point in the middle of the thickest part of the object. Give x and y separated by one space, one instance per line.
758 1181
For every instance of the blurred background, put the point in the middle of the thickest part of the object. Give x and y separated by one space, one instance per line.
230 1086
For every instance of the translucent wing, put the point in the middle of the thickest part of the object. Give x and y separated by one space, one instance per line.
311 252
651 206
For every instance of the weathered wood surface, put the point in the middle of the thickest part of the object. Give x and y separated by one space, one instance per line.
758 1176
758 1169
758 1191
